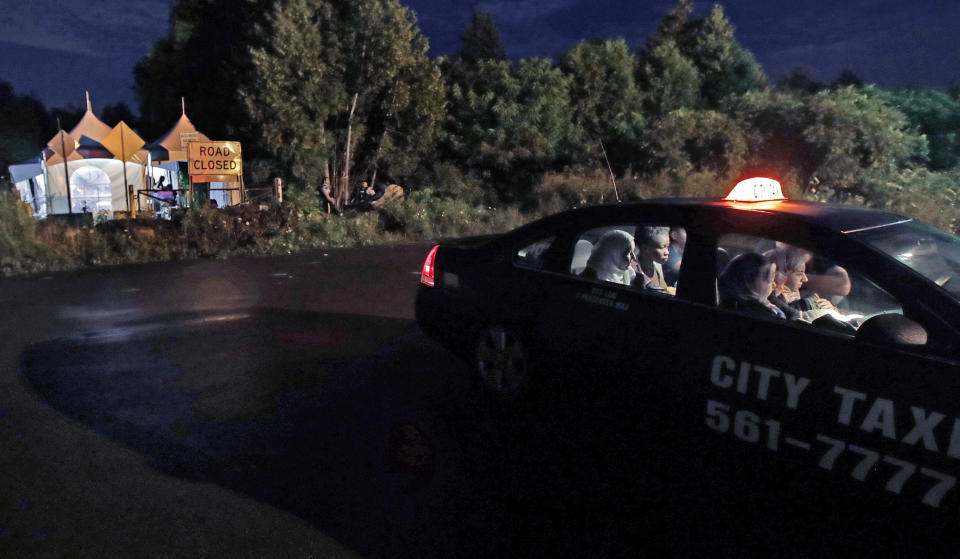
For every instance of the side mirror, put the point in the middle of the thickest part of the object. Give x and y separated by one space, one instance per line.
885 329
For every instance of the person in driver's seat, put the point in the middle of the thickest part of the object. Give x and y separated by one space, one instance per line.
611 258
790 277
746 283
827 280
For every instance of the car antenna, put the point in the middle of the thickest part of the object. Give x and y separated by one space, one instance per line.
613 179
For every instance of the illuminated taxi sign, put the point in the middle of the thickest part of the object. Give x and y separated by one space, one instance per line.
756 189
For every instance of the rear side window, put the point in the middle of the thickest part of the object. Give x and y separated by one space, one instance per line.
531 255
643 256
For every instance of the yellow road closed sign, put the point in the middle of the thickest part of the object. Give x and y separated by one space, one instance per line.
215 159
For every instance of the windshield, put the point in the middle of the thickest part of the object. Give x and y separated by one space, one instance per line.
929 251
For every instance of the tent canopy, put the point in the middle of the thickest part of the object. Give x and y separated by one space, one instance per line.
173 145
90 126
93 175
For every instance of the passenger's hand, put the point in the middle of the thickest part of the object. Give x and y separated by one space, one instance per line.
822 303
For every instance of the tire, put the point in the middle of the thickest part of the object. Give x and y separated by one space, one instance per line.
501 363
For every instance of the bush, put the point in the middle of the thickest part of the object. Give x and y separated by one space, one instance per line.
452 182
926 196
353 229
427 214
560 192
20 252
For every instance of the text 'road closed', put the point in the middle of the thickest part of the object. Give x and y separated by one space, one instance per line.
215 158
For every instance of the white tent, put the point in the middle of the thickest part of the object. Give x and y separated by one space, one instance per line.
28 178
94 175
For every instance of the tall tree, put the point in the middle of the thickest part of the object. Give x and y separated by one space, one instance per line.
345 89
673 24
204 58
669 80
726 68
507 125
840 143
604 98
686 142
25 127
481 39
935 114
297 88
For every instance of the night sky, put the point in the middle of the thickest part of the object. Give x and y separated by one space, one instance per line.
57 49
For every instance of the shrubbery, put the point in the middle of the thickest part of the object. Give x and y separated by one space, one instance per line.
302 223
20 251
429 214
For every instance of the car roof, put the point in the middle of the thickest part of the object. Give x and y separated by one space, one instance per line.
836 217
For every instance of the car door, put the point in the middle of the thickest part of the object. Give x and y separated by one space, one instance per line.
786 411
592 323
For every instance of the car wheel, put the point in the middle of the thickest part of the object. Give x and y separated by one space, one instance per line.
501 362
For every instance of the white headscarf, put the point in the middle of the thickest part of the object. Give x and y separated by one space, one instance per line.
607 257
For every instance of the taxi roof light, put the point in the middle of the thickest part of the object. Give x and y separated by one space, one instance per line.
756 189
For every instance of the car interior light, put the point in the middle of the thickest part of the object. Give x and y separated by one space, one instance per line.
429 272
756 189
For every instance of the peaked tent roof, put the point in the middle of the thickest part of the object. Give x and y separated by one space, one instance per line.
90 126
88 148
173 145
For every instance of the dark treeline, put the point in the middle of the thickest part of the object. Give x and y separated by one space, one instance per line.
344 89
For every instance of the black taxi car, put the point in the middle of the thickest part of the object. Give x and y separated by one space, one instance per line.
872 411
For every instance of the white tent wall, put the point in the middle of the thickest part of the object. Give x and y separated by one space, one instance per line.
35 196
112 169
220 192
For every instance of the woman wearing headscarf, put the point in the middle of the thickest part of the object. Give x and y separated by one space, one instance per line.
611 258
747 282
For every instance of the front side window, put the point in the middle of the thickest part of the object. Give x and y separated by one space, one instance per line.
930 252
775 279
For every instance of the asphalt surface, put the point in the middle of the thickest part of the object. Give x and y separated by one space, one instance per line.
291 407
298 384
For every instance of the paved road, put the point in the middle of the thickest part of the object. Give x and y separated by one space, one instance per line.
299 387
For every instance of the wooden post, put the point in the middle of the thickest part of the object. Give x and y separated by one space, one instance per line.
66 172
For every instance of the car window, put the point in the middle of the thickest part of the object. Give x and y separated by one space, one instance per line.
645 256
531 255
930 252
803 284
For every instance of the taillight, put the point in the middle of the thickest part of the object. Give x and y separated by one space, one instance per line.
429 272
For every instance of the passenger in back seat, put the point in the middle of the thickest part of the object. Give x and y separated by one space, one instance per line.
653 249
611 259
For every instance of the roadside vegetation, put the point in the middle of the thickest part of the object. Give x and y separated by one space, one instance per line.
481 143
